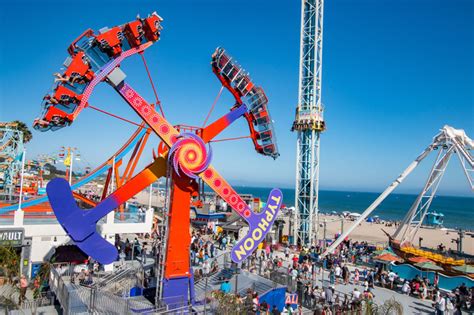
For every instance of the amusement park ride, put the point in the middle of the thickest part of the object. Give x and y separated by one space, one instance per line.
309 122
184 155
11 156
448 142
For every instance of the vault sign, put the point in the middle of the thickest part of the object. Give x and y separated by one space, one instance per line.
11 237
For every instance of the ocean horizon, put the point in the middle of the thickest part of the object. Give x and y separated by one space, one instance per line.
458 210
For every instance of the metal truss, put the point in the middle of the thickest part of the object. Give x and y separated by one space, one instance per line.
309 121
449 141
11 149
417 213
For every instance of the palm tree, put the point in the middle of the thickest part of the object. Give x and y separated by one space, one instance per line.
389 307
21 126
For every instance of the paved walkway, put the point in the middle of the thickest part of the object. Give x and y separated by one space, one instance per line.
411 304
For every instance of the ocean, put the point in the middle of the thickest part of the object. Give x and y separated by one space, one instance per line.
458 211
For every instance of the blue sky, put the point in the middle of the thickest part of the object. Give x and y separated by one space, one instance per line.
394 72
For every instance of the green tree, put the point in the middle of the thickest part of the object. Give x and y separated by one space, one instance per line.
227 303
9 262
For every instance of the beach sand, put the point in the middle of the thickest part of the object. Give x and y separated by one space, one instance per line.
372 233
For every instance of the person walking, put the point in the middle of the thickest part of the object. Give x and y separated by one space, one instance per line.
346 274
23 288
332 276
328 294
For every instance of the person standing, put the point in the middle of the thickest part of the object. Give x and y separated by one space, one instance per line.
346 274
225 287
356 276
337 273
332 276
275 310
212 249
287 310
436 279
23 288
143 254
328 294
440 305
206 267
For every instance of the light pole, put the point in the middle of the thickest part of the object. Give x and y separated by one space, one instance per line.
66 155
149 197
70 167
324 247
324 234
21 178
206 270
461 236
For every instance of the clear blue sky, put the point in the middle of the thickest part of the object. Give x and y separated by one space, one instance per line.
394 73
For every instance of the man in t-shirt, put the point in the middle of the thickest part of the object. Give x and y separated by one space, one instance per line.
391 277
440 305
337 273
225 287
356 294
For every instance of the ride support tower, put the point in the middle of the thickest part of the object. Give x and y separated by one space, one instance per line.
309 122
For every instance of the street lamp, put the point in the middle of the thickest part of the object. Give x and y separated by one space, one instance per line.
21 178
206 269
67 154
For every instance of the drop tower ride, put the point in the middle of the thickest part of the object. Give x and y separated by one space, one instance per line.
309 122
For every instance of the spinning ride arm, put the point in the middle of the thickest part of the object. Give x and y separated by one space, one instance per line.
102 55
246 94
81 224
259 224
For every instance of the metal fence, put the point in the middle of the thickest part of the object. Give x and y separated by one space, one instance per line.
80 299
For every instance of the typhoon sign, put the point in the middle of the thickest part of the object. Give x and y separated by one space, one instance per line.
259 225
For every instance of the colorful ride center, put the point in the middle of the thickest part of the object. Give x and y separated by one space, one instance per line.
184 155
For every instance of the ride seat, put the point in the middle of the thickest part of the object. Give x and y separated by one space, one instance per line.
110 41
79 67
134 33
262 117
65 96
152 26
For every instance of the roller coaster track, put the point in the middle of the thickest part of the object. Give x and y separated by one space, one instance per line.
135 138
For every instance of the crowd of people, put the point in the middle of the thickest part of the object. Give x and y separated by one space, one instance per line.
302 269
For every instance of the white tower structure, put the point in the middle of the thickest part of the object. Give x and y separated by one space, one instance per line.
309 122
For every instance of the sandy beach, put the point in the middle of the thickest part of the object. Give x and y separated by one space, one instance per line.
372 233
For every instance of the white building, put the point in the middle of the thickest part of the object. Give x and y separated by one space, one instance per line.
37 241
